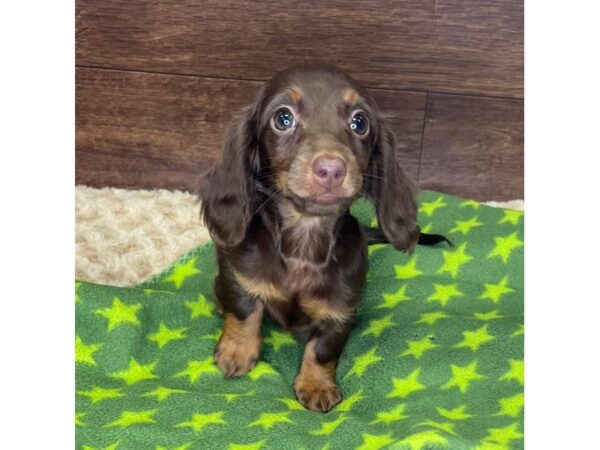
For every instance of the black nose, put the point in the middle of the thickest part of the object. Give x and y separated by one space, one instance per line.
329 172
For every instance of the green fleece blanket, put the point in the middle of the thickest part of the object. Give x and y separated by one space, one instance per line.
434 361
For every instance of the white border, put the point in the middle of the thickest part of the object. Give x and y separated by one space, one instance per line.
37 247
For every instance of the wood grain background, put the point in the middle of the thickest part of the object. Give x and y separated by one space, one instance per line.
158 81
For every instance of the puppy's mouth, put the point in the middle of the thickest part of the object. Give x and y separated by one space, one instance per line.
322 204
325 199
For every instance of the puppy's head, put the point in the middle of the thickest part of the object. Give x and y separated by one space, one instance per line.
315 137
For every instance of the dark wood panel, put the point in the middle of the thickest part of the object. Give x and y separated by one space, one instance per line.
140 130
453 46
473 147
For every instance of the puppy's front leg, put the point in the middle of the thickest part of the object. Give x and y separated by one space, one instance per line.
238 349
315 384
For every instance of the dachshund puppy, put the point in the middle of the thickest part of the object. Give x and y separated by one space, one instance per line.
277 203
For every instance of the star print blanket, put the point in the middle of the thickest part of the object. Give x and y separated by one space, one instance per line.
434 361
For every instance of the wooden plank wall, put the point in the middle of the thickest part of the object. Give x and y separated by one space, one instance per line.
157 82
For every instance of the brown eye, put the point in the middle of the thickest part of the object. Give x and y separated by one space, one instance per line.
359 124
284 119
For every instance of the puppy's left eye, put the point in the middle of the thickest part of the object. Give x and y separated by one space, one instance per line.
359 124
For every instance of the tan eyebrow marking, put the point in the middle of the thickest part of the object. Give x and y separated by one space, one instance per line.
295 93
350 96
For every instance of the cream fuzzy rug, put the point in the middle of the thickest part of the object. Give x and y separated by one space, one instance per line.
123 237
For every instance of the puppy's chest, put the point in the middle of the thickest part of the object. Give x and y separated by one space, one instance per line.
305 255
292 281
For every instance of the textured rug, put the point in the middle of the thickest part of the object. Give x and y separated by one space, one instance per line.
434 361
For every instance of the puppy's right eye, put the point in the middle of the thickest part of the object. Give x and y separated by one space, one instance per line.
284 119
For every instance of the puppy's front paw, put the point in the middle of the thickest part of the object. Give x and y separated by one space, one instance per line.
317 395
235 358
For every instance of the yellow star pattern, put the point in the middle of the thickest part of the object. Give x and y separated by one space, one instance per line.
417 348
200 308
77 286
97 394
120 313
427 228
113 446
231 397
278 339
269 420
403 387
424 441
129 418
214 337
199 421
429 208
182 272
458 413
511 216
349 402
374 247
292 404
516 371
252 446
408 270
511 406
375 441
454 260
444 293
472 203
185 446
393 415
475 339
519 331
431 318
84 354
505 245
79 419
486 317
503 436
195 369
164 335
328 427
463 376
392 300
448 427
362 362
136 372
378 326
262 369
494 292
162 393
464 226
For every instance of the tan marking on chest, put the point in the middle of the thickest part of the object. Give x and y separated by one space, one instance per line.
264 290
321 310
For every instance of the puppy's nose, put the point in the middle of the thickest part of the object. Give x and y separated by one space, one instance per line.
329 172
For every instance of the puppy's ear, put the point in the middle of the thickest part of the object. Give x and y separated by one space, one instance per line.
226 189
393 193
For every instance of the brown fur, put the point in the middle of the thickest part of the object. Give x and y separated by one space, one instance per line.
286 242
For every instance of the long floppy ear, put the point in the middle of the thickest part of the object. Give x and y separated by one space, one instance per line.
393 193
226 189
